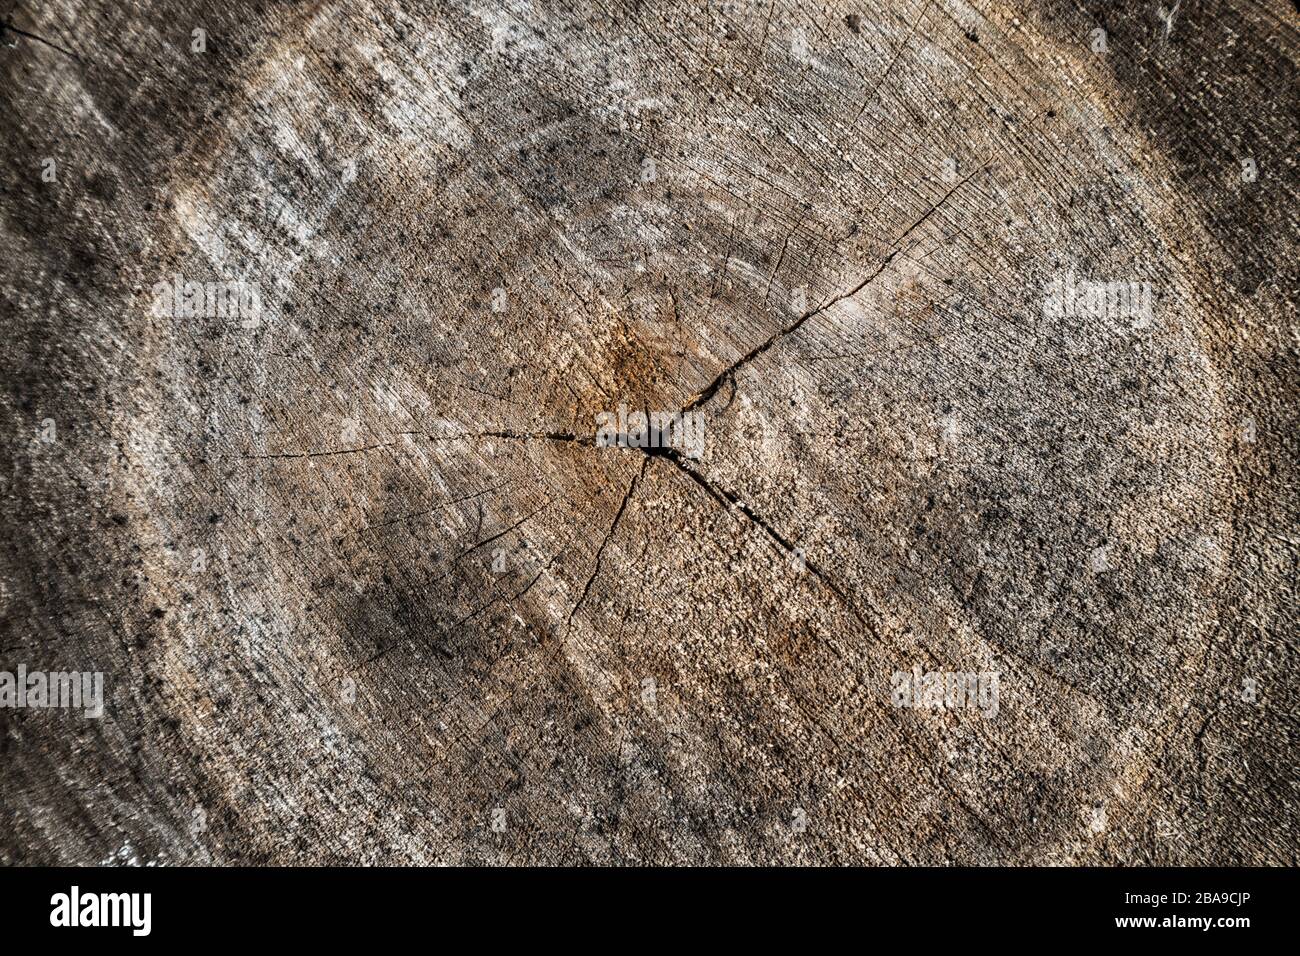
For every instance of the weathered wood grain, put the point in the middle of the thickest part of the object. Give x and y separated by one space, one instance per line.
364 587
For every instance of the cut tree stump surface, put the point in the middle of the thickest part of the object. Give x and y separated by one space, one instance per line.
364 586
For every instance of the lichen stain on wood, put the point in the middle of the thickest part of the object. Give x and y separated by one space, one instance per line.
363 586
